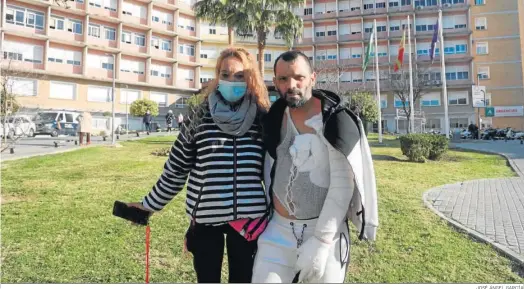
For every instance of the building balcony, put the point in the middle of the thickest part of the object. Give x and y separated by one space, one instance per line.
64 68
368 12
426 9
101 42
126 47
169 2
75 5
99 73
349 13
381 10
208 61
133 19
325 15
459 83
132 77
350 37
350 85
307 17
162 27
185 32
326 39
449 58
102 12
66 35
400 9
155 52
21 65
182 83
156 80
30 30
457 31
395 34
186 58
351 62
304 41
457 7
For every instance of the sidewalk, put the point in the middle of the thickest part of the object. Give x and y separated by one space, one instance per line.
491 210
39 146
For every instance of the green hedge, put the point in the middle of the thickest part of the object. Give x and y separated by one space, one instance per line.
420 147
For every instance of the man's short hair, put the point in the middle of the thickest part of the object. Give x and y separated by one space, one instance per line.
291 56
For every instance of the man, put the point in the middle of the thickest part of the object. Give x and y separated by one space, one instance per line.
318 174
169 120
147 121
180 120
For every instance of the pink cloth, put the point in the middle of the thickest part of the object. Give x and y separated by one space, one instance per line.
245 226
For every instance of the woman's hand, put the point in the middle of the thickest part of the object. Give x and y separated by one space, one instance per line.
139 205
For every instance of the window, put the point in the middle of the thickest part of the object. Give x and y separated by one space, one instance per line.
23 86
181 102
110 33
381 28
25 17
405 2
483 72
458 122
368 6
100 61
126 37
212 31
481 23
129 96
480 2
99 93
166 45
94 30
308 11
431 99
267 57
140 39
381 5
393 4
74 26
399 103
187 49
433 123
136 67
159 70
62 90
458 98
158 97
482 48
56 23
23 52
59 55
461 48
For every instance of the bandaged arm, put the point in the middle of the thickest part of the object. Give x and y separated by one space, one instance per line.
340 192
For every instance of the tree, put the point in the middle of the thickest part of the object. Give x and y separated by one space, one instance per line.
217 11
363 104
10 72
423 81
329 77
258 17
141 106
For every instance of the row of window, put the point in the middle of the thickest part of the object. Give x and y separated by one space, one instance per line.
354 5
68 91
36 19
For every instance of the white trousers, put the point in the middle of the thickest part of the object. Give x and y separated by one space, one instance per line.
277 251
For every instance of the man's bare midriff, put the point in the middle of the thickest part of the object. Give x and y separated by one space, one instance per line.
281 210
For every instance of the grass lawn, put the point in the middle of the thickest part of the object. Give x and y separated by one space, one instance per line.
57 225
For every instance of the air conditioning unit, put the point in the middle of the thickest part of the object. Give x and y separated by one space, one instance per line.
447 5
420 7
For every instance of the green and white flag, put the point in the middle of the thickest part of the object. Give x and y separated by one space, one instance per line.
368 51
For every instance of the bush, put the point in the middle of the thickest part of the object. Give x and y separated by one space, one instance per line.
439 146
161 152
420 147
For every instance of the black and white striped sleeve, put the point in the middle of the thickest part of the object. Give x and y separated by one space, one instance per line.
176 169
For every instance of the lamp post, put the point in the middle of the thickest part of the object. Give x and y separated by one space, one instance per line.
480 125
113 139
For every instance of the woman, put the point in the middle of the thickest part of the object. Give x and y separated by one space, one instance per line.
169 120
220 148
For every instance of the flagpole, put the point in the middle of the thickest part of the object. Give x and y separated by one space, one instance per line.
411 105
377 78
443 75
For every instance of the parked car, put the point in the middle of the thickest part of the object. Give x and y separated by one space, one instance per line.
54 123
18 125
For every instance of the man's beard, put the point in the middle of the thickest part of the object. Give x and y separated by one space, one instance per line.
294 103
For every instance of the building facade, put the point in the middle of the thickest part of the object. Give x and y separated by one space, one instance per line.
162 52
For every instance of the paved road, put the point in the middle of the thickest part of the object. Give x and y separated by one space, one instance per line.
42 145
512 149
489 209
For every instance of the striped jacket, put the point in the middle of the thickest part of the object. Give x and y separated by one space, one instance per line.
225 174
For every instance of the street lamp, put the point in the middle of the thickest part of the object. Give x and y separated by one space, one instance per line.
480 125
113 139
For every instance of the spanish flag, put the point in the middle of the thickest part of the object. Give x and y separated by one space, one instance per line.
400 58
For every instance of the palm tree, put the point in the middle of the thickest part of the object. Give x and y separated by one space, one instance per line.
216 11
257 17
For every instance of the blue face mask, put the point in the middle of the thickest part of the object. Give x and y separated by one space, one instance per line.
232 91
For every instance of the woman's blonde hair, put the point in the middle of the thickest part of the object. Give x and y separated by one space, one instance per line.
255 83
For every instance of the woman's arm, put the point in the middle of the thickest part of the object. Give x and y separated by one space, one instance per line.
176 169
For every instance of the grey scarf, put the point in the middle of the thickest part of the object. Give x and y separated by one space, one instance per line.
233 122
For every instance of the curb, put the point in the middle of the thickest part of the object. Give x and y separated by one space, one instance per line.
476 235
511 162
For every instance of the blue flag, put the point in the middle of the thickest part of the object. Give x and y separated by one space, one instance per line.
434 42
